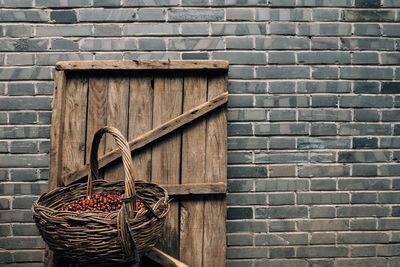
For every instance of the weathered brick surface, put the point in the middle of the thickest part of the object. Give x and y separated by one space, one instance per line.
313 115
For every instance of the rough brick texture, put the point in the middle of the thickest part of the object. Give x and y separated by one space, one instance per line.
314 115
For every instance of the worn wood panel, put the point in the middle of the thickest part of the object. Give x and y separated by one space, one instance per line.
141 121
214 238
116 115
166 153
193 171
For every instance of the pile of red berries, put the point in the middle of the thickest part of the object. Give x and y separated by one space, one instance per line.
99 202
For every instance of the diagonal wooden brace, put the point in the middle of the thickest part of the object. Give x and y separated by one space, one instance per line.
156 133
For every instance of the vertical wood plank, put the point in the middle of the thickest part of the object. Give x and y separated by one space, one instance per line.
57 124
97 111
117 116
166 153
214 250
193 171
141 121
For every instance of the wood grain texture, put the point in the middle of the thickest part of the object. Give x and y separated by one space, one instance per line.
141 121
214 238
116 115
195 189
166 157
164 259
143 65
193 171
153 135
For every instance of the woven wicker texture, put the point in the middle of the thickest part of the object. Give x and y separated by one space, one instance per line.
98 237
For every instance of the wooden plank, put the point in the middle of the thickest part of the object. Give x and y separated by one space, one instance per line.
164 259
142 65
195 189
214 253
56 137
154 134
97 112
166 154
193 171
117 116
141 121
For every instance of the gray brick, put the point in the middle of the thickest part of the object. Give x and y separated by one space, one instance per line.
146 3
365 170
364 129
239 240
21 243
240 101
23 189
360 87
322 212
281 226
4 203
288 58
241 72
247 226
209 43
390 3
240 185
277 87
235 129
364 184
239 157
28 256
324 101
247 199
5 230
281 199
324 29
3 147
22 117
247 115
107 3
281 101
53 58
366 115
323 171
247 143
195 29
365 142
239 42
390 115
20 59
241 252
108 44
195 56
323 87
63 16
23 175
320 129
18 30
367 44
362 238
282 115
391 30
282 3
64 30
152 44
271 158
325 73
323 184
151 14
325 3
17 3
322 157
64 45
389 170
367 29
195 2
390 142
390 58
325 14
282 43
23 147
238 29
5 257
282 143
363 156
247 171
320 251
21 89
65 3
272 72
324 43
368 15
322 238
242 58
390 87
235 14
23 202
323 57
279 184
23 161
321 262
3 175
234 213
367 3
281 212
281 14
365 58
388 224
15 15
363 224
317 143
107 14
281 252
195 14
359 262
323 198
35 103
324 115
323 225
281 129
281 239
366 73
282 28
239 262
23 45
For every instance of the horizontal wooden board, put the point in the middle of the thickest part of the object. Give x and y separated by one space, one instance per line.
143 65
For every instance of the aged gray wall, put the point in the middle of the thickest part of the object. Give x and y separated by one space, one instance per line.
314 115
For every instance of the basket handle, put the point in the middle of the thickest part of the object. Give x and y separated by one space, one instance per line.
126 160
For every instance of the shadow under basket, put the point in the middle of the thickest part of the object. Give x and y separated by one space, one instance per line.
103 237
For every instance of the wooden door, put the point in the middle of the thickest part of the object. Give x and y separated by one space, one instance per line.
136 97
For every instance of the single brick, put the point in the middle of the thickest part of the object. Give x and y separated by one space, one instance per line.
110 3
282 43
29 256
365 142
25 16
323 184
280 239
281 212
22 117
281 252
107 14
247 226
237 129
277 87
236 157
234 213
361 262
247 143
322 212
365 58
322 251
363 211
322 157
64 45
249 252
235 14
23 147
25 229
324 115
317 143
366 115
281 58
247 115
367 44
366 73
281 101
209 43
23 202
390 87
362 129
324 43
282 115
390 30
360 87
368 15
240 101
195 14
322 238
323 171
151 14
323 57
364 184
18 30
361 224
323 225
390 142
239 240
323 198
282 28
242 58
246 199
195 29
271 158
362 238
239 42
240 186
63 16
321 14
367 29
365 170
390 58
324 29
325 3
21 89
367 3
321 129
281 226
277 143
281 129
281 199
323 87
247 171
363 156
324 101
279 184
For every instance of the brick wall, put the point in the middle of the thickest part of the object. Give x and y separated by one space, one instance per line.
314 115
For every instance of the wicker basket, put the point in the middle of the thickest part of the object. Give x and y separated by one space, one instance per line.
98 237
